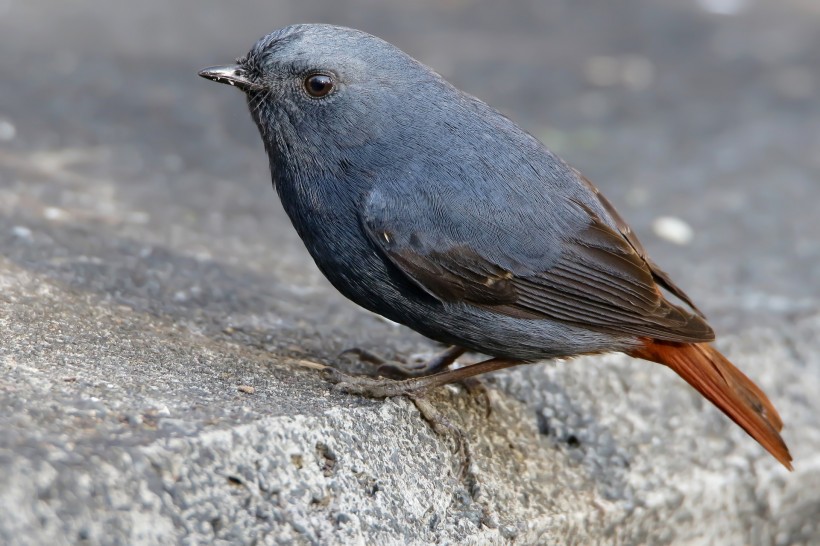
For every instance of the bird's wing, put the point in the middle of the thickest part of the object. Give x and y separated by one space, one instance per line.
591 275
660 276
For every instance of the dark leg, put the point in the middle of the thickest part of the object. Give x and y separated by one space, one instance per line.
415 386
388 369
437 363
364 356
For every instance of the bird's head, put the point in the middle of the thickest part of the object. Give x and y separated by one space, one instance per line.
316 92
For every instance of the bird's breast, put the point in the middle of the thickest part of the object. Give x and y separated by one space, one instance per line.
329 225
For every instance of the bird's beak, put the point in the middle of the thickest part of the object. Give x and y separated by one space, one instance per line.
233 75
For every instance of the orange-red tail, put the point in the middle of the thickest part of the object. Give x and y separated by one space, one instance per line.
712 375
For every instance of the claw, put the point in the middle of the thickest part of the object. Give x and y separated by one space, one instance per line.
331 375
385 368
394 371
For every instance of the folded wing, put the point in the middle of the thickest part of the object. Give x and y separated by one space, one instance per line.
600 278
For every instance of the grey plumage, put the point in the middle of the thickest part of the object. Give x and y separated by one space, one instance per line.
423 204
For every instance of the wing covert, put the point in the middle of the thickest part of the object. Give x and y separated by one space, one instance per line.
600 279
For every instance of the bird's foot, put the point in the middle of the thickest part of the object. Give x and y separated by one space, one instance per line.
402 370
364 356
381 387
386 368
416 387
413 388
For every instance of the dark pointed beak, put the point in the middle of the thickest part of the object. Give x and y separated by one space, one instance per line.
233 75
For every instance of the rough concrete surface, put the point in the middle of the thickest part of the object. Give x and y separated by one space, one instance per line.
161 325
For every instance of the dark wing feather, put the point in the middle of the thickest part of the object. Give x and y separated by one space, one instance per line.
660 276
601 280
459 274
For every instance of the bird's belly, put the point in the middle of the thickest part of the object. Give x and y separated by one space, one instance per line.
501 335
363 275
365 278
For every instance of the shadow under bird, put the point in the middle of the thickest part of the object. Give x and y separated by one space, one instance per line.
425 205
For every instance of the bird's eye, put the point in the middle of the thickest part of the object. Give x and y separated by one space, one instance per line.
319 85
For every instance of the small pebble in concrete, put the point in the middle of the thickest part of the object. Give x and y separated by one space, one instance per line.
21 232
53 213
247 389
673 229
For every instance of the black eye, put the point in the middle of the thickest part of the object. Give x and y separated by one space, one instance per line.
319 85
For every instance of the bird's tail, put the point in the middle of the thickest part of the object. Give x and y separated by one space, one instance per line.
712 375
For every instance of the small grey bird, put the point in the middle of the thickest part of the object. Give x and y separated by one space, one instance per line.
425 205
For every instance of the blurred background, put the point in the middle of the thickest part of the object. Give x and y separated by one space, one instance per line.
698 118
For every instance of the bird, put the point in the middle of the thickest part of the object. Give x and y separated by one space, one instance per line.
423 204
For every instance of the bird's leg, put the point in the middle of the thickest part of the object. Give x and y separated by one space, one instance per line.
398 371
438 363
435 364
415 386
365 356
